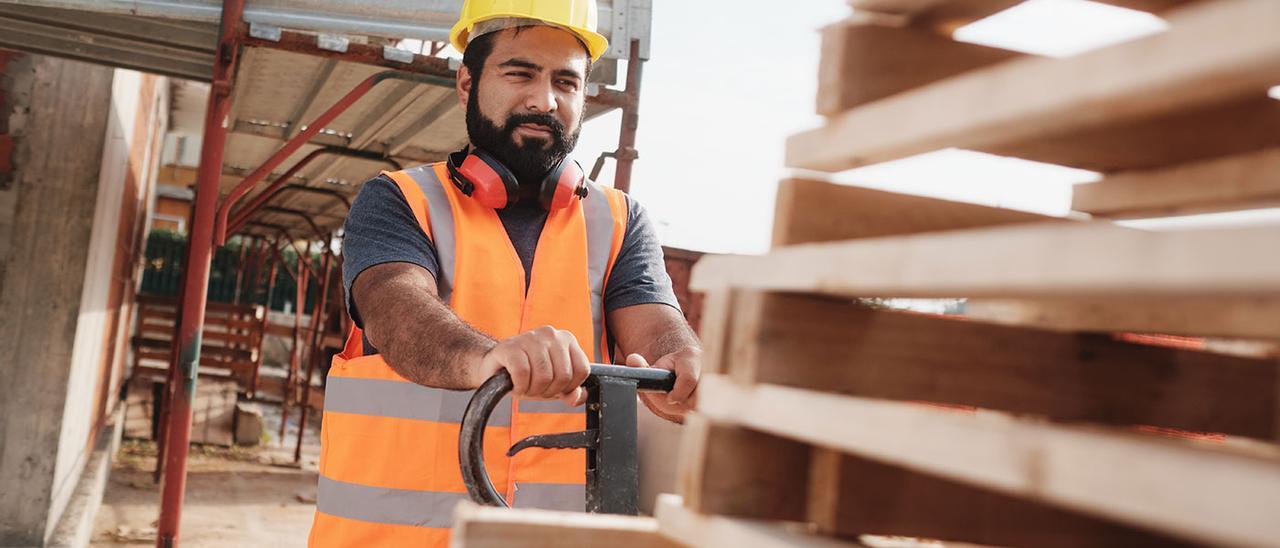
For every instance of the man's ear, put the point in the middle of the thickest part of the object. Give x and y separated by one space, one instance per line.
464 86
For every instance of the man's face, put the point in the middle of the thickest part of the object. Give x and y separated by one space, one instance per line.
526 107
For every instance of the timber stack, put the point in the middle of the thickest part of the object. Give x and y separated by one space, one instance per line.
1040 419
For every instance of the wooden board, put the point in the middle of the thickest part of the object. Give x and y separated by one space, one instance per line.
1037 260
1195 490
714 478
851 496
863 61
1198 89
1246 181
693 529
786 480
1242 317
835 345
943 16
817 211
477 526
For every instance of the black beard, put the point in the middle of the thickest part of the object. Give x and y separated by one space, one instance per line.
529 162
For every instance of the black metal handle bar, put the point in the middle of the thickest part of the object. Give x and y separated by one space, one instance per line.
486 398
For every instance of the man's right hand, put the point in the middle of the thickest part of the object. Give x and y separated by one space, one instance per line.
544 363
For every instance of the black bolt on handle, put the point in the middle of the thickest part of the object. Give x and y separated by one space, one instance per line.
486 399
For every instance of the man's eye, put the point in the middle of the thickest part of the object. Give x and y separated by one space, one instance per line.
571 84
523 75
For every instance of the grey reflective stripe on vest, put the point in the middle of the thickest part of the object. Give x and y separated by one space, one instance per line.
385 505
599 220
405 400
551 496
548 406
440 215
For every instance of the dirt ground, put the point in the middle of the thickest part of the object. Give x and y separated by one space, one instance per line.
235 496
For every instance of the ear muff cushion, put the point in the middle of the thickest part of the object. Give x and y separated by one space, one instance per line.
495 185
561 185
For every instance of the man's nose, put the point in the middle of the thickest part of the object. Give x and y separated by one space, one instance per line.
541 98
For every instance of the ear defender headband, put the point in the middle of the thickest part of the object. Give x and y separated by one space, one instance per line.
480 175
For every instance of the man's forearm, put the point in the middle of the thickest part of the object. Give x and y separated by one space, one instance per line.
668 336
418 335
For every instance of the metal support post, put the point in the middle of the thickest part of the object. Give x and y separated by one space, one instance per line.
295 357
196 279
240 267
259 262
626 154
270 254
317 326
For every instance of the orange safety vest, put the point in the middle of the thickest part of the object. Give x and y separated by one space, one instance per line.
389 448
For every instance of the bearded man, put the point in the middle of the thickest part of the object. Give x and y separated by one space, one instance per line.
502 257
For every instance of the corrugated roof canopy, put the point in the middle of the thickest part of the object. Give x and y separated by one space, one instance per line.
278 92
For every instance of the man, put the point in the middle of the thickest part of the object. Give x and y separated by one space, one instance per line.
501 258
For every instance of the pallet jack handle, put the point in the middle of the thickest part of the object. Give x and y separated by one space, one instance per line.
610 437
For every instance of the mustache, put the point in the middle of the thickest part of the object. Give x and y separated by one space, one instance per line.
557 128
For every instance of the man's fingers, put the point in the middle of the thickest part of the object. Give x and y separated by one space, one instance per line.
539 369
685 385
581 366
517 365
636 360
561 370
686 378
575 397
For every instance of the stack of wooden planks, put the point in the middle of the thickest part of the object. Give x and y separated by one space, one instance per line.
1038 419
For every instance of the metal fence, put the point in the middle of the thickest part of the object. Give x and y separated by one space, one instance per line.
167 250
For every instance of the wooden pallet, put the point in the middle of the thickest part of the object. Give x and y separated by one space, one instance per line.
1203 492
1020 423
1057 411
1242 181
1196 91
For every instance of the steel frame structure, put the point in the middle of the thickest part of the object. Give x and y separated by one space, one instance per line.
213 222
195 279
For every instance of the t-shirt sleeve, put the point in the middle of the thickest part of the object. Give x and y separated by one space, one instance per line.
380 228
639 274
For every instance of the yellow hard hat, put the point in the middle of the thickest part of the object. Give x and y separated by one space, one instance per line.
577 16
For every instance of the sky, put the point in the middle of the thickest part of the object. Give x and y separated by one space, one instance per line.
729 80
726 83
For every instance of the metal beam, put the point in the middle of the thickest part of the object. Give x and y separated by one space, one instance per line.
428 20
245 213
374 122
318 82
401 140
304 215
67 34
313 128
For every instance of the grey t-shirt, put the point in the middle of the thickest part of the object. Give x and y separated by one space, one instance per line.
382 229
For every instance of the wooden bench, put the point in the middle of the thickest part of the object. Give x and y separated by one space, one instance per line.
231 346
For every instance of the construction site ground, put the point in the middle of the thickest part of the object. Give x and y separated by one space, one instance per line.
236 496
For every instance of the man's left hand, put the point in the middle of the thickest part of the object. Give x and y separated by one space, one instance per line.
687 364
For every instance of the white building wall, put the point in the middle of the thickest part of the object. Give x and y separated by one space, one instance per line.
88 347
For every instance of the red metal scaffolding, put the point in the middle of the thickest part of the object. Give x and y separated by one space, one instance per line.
213 223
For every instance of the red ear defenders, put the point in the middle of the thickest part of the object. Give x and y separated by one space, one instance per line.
480 175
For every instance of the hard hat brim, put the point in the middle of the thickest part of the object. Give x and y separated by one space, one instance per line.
596 43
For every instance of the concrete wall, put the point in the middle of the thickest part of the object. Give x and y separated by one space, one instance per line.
70 239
